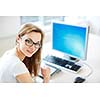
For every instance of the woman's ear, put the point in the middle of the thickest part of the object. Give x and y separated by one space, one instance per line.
17 39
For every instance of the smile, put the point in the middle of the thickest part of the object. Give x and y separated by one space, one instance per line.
30 51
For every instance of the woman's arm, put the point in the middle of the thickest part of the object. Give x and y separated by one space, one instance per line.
46 74
24 78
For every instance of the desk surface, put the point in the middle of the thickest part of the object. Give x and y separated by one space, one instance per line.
93 60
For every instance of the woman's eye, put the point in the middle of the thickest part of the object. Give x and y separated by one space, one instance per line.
28 41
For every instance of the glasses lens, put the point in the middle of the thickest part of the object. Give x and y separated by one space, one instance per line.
38 45
28 42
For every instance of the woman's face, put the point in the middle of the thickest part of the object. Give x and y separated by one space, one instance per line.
29 43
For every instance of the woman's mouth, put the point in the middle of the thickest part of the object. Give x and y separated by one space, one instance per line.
30 51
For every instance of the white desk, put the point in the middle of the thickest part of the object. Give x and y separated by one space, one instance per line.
93 59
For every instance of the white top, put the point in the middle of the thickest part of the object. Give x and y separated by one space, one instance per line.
10 67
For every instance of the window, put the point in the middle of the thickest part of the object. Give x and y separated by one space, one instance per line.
44 21
25 19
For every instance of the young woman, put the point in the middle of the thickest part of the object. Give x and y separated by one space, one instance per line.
23 61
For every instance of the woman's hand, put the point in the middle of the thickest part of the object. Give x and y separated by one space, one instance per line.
46 74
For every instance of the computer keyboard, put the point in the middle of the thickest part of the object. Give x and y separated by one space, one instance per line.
61 62
56 60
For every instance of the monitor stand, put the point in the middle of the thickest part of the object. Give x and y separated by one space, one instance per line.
71 58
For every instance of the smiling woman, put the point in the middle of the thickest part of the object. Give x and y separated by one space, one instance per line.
23 61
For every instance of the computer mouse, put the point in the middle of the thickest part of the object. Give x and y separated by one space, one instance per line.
79 80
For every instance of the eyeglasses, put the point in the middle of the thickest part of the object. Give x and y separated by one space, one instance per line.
30 43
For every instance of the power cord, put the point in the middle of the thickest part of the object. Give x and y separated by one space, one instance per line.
91 70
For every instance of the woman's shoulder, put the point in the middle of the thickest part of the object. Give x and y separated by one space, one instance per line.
9 56
9 52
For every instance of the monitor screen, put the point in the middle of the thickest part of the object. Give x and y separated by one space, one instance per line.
70 39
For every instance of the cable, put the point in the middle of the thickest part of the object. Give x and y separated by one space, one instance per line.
87 65
90 69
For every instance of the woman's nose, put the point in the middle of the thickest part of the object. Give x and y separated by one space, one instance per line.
32 48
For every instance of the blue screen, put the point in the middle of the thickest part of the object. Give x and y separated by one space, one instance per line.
70 39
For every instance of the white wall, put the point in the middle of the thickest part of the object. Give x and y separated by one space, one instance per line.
9 25
8 29
92 21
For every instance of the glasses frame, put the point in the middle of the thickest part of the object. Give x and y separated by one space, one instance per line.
29 42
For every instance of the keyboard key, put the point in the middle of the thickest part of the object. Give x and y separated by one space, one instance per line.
71 63
75 67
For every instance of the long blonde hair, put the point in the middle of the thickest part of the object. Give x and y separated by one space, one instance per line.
32 63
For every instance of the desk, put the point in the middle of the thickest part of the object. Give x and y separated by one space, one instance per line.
93 59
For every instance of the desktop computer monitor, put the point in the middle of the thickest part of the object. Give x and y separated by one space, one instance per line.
70 40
